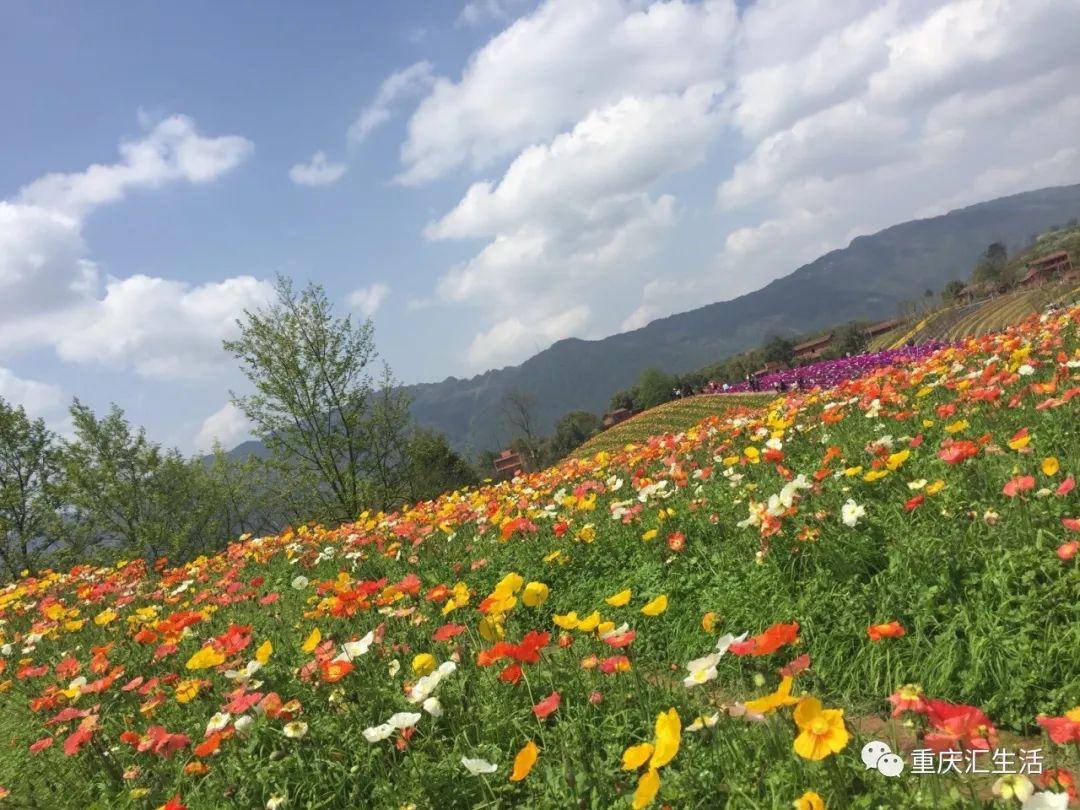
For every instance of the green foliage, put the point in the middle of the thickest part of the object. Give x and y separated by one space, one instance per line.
434 467
29 490
950 293
314 404
778 349
654 387
850 339
572 431
622 399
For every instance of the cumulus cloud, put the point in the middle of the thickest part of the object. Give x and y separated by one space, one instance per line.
53 295
226 427
569 214
478 12
158 327
172 150
367 300
553 67
814 122
319 171
401 84
39 399
511 337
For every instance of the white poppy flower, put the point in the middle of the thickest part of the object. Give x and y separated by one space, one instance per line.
403 720
476 767
851 512
378 733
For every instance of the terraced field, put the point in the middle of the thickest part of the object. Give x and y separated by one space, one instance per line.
671 417
971 320
1005 310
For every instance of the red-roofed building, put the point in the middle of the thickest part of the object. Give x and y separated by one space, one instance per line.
508 464
1046 267
813 349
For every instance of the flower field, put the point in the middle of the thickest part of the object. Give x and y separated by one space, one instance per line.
719 617
671 417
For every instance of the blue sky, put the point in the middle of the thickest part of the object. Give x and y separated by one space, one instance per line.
495 174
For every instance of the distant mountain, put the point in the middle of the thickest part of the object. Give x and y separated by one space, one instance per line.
866 280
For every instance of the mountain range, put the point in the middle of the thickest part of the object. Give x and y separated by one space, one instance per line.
868 279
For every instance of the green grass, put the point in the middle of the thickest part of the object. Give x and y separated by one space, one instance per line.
992 614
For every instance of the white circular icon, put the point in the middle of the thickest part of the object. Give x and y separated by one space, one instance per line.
873 751
890 765
877 755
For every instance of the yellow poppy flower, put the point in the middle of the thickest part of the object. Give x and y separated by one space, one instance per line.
536 593
656 606
266 649
620 599
524 761
821 731
772 702
636 755
647 788
312 641
590 622
1050 466
567 621
667 734
205 658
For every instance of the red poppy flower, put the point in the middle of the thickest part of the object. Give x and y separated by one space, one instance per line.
914 503
447 632
795 666
1022 483
547 706
511 674
889 630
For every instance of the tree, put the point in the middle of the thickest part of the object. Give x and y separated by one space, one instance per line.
622 399
519 410
125 492
434 466
30 499
950 293
991 264
248 496
107 468
850 339
313 404
778 349
571 431
654 388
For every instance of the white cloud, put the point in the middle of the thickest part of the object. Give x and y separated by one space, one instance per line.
847 138
172 150
43 263
512 337
367 300
832 69
52 293
319 171
573 214
814 121
402 84
161 328
553 67
478 12
226 426
614 150
40 400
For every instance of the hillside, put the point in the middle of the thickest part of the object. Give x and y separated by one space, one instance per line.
867 280
671 417
725 617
